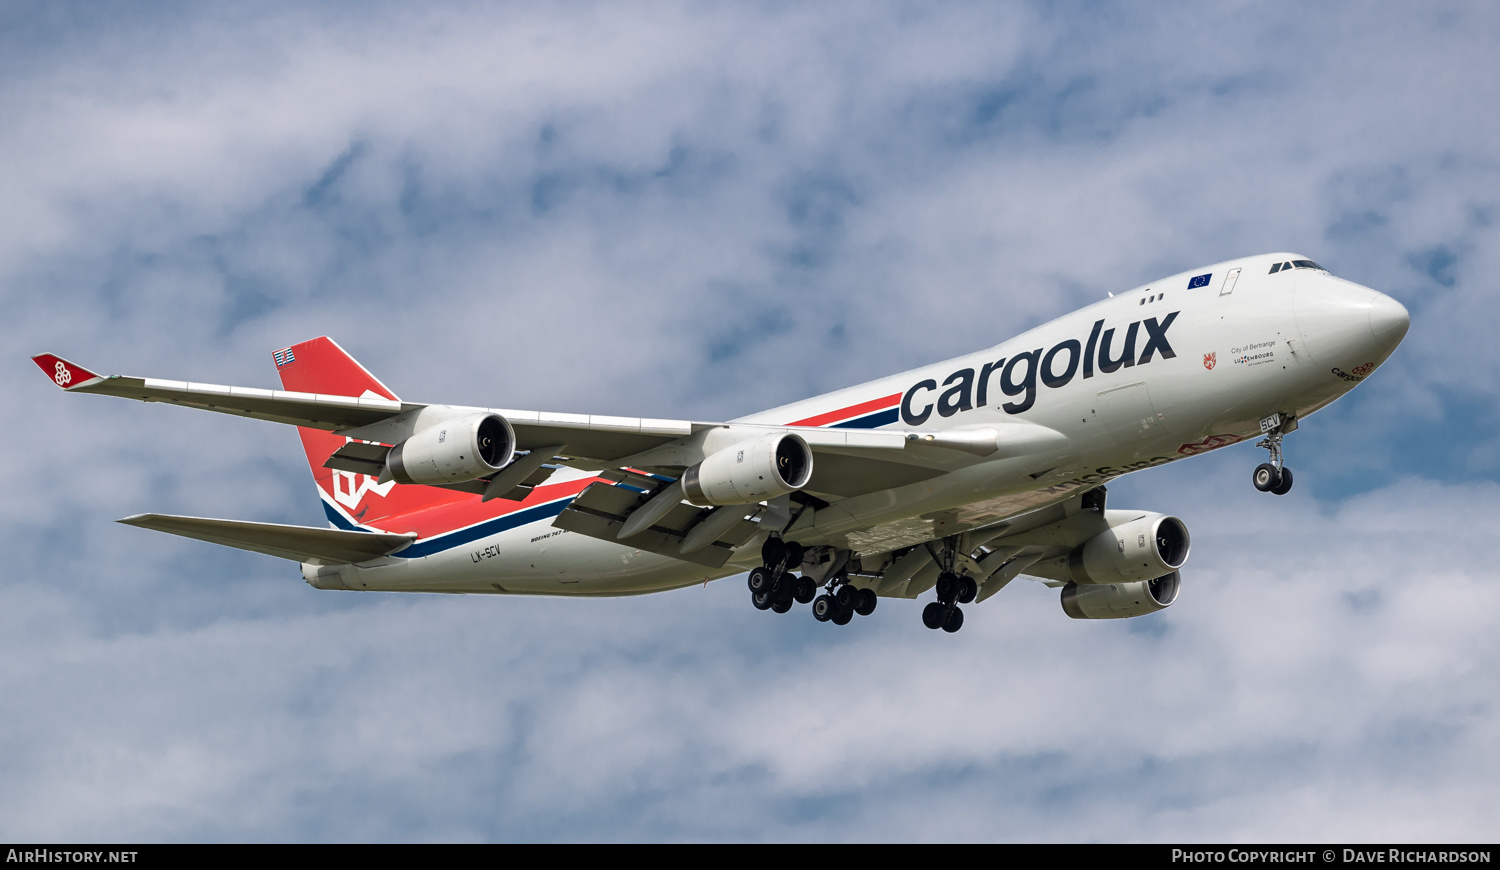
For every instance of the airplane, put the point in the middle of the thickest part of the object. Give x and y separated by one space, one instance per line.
954 478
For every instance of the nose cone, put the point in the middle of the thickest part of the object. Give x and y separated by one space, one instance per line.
1346 325
1389 320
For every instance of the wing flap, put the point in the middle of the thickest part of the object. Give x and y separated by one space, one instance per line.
518 492
601 510
360 457
298 543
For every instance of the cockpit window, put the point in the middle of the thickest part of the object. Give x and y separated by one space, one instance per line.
1296 264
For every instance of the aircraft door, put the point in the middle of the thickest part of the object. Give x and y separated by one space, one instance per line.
1230 280
1129 414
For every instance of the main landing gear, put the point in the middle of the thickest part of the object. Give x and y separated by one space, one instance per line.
842 602
953 589
1274 476
774 586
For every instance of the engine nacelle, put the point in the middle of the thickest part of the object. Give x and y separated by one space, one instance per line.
1142 549
454 451
1120 600
773 464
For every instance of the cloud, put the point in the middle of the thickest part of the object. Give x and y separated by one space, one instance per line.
1354 702
700 211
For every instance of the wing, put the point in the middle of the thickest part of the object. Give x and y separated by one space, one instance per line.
299 543
641 458
370 417
849 462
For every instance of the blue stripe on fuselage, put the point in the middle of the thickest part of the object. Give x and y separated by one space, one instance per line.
338 519
449 540
870 421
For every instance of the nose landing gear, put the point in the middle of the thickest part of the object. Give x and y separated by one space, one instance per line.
1269 478
1274 476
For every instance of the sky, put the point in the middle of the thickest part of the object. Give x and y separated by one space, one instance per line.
699 210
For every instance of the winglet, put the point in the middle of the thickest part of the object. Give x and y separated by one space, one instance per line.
68 375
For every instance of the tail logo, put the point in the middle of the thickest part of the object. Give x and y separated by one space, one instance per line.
349 488
63 376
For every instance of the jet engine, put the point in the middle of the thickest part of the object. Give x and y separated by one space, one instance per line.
1141 549
1120 600
773 464
466 448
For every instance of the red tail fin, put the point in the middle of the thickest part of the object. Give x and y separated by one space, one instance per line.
349 499
321 366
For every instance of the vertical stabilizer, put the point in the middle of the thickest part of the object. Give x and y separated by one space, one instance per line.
351 500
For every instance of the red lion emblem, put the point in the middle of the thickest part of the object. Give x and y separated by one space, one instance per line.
1210 359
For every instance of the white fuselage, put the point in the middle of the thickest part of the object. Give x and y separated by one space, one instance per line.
1204 367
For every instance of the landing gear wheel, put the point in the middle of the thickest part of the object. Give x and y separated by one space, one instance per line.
781 605
967 589
823 608
794 554
1274 476
845 596
772 551
842 617
760 580
954 622
806 590
947 586
761 600
933 614
864 602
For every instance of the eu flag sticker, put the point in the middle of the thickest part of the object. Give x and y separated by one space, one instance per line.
1200 281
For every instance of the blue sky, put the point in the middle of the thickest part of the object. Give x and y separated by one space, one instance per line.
700 210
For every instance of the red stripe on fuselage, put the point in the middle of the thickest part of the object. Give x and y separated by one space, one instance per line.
468 510
851 411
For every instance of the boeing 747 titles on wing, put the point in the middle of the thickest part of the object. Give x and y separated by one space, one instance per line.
954 479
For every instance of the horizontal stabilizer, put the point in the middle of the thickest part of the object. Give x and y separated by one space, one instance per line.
299 543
